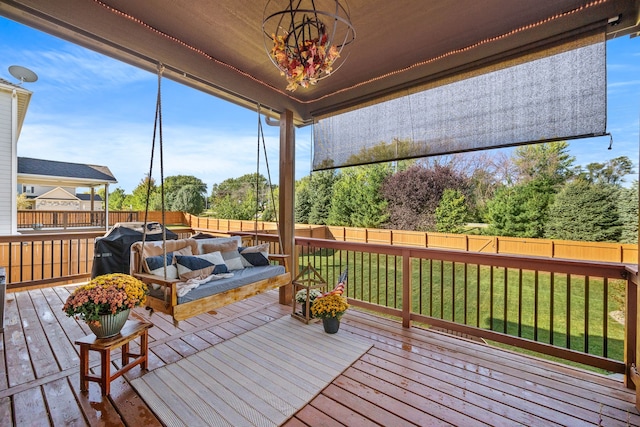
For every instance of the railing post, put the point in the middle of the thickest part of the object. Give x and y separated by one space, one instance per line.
630 329
406 288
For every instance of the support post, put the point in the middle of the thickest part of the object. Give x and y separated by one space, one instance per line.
287 197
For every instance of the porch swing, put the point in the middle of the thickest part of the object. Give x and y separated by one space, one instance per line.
188 277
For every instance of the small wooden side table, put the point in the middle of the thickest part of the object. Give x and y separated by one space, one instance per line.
131 330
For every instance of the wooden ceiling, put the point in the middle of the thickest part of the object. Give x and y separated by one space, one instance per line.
217 45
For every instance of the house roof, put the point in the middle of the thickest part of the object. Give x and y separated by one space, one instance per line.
35 171
87 197
24 97
218 46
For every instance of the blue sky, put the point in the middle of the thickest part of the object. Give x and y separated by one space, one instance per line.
88 108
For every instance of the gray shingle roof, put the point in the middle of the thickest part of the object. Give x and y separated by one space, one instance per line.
31 166
8 83
87 197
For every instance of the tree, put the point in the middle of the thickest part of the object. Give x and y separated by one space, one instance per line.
611 172
137 200
370 209
452 212
414 194
188 199
628 212
235 198
173 184
116 199
342 200
520 210
22 202
356 200
549 161
271 207
321 194
303 200
585 211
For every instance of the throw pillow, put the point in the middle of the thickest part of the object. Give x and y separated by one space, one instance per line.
216 240
229 251
255 256
200 266
155 265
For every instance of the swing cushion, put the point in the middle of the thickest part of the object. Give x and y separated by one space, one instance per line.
229 251
255 256
200 266
240 278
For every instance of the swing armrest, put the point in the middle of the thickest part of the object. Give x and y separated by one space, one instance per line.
150 278
280 259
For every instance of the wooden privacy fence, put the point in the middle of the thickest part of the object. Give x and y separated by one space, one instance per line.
561 249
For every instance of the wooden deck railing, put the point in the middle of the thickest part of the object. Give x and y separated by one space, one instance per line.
574 310
39 259
38 219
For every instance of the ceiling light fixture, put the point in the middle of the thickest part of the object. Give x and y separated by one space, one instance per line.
304 38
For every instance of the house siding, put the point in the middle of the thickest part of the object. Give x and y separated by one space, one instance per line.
6 163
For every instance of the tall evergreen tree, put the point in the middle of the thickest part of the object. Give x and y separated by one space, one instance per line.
628 211
452 212
303 200
585 211
520 210
356 198
321 193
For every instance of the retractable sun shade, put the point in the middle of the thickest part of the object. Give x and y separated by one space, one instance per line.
555 93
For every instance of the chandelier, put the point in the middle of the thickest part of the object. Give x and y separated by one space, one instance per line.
304 38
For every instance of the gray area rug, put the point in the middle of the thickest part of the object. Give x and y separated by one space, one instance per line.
259 378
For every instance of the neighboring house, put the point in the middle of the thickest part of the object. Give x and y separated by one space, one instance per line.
52 185
62 199
14 102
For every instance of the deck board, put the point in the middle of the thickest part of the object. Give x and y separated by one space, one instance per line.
409 377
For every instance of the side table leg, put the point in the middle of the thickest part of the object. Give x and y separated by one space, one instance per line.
125 353
144 349
105 380
84 367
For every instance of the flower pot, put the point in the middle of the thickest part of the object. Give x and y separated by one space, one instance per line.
110 324
331 324
304 309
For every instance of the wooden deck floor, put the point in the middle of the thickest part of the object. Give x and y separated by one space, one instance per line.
408 377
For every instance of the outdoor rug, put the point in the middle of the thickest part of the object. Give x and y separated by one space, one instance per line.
259 378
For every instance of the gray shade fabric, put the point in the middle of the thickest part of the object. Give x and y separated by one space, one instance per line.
554 96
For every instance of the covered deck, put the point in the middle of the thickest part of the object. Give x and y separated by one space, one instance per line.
410 376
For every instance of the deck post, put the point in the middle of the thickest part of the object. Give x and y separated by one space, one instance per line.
287 197
406 288
631 333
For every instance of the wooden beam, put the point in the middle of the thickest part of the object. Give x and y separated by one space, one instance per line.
287 196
